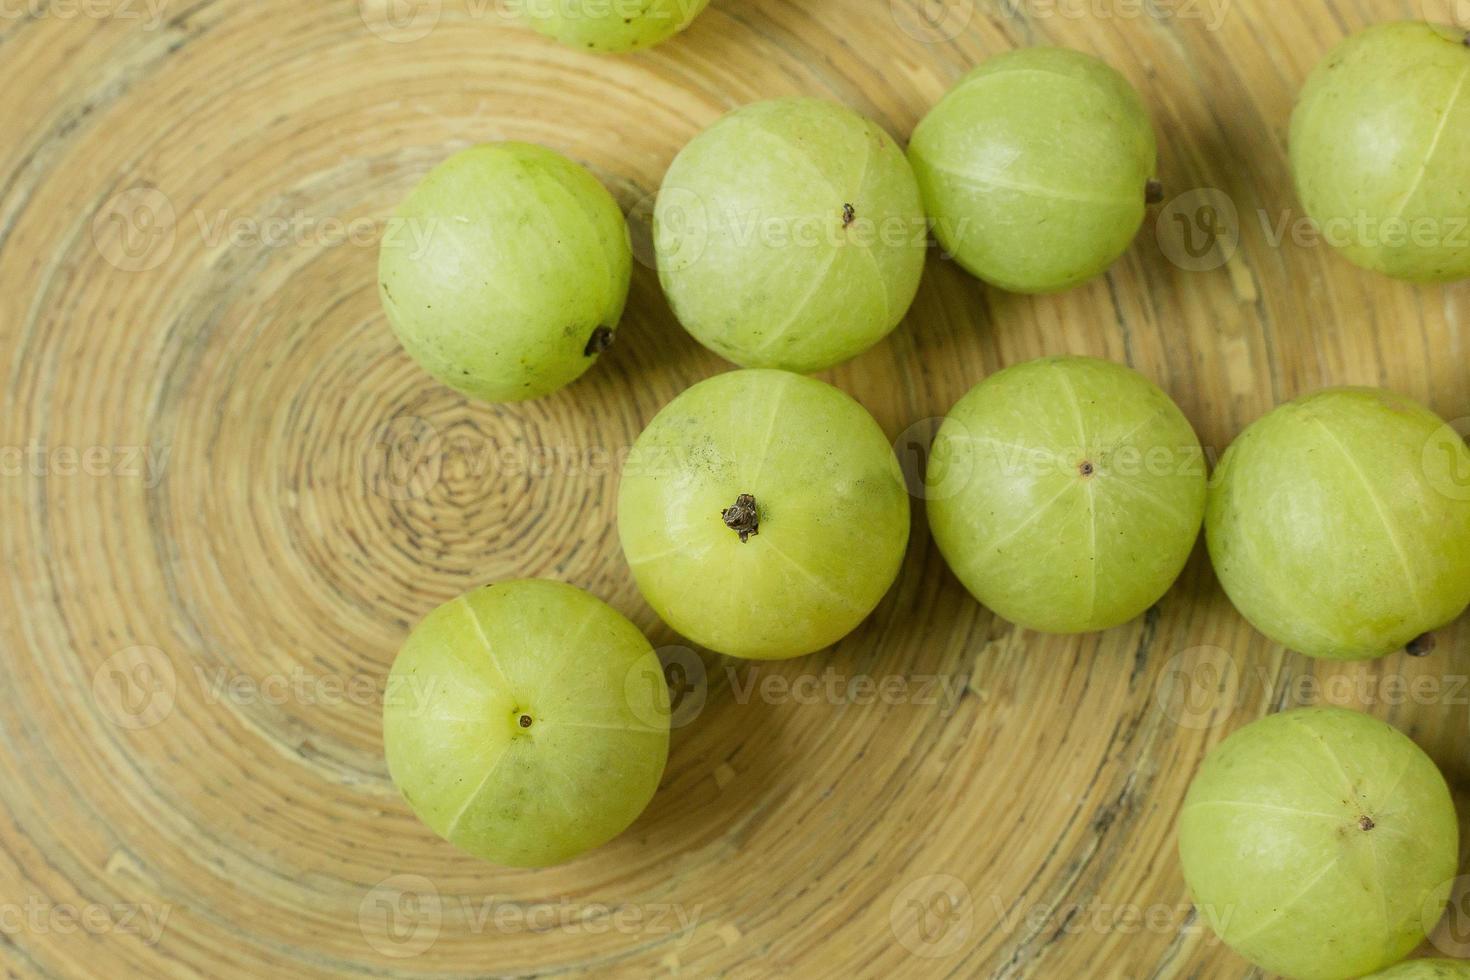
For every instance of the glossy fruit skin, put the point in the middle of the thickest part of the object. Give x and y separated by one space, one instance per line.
526 795
1274 848
1425 970
790 235
500 268
1380 140
1339 524
1035 169
1066 493
612 26
833 514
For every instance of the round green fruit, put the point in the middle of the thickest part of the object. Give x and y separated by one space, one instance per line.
764 514
1426 970
1339 524
612 26
505 271
526 722
790 235
1318 842
1380 149
1036 169
1066 493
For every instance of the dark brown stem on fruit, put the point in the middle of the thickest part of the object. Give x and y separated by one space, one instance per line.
744 518
601 340
1153 192
849 215
1421 646
525 721
1366 823
1085 468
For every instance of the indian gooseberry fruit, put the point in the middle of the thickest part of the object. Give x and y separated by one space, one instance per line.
1380 149
505 272
764 514
526 722
790 235
1066 493
1339 524
1319 843
1036 169
612 26
1426 970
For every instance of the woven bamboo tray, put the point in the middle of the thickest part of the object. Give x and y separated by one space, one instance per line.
227 495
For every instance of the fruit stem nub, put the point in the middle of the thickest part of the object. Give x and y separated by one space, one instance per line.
1421 646
1366 823
525 721
1153 192
849 215
601 340
743 518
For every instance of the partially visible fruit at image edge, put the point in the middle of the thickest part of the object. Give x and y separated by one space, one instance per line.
612 26
1380 149
526 722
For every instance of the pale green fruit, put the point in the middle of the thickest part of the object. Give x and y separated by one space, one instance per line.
505 272
1380 148
802 560
611 26
1066 493
790 235
1036 169
1318 843
1339 524
526 722
1426 970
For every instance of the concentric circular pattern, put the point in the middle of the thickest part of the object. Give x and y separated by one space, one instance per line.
228 495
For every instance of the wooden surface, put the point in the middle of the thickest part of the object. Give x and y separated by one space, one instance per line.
191 766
